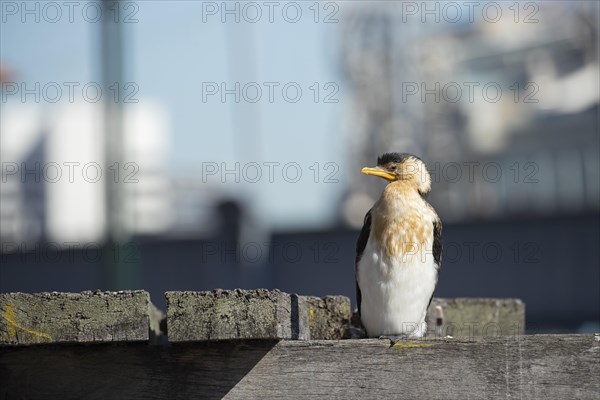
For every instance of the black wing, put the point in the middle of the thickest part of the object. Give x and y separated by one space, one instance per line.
437 247
361 243
437 242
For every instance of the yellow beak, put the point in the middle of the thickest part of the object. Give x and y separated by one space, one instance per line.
380 172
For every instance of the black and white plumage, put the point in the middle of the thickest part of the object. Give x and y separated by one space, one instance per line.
399 250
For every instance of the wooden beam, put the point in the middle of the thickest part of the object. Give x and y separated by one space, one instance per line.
264 314
467 317
30 318
255 314
549 367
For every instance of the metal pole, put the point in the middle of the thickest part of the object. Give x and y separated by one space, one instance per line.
120 267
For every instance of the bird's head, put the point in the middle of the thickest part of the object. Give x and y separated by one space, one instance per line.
402 167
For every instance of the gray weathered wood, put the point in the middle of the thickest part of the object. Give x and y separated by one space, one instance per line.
468 317
263 314
549 367
254 314
520 367
233 314
328 317
29 318
218 315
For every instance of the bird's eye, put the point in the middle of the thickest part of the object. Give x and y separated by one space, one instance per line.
392 167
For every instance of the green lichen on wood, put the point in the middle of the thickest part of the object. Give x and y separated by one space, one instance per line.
31 318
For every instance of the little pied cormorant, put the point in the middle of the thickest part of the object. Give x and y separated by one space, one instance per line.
399 250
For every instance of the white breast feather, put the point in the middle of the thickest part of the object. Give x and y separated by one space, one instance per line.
395 292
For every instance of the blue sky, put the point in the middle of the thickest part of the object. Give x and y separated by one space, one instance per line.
170 52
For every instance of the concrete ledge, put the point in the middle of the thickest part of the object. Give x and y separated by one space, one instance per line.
29 318
254 314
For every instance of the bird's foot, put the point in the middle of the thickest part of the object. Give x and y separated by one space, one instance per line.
395 338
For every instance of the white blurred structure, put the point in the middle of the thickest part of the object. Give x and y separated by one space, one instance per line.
76 205
144 173
54 174
20 133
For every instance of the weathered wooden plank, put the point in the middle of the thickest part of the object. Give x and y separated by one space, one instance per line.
468 317
328 317
263 314
132 371
233 314
520 367
29 318
254 314
552 367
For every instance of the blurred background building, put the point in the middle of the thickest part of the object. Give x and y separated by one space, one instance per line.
195 145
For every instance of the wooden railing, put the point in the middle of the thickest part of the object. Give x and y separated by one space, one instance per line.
270 344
